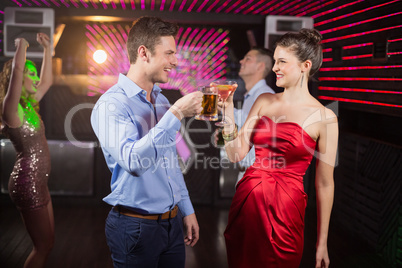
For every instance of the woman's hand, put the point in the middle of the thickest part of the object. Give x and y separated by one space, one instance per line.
43 39
21 42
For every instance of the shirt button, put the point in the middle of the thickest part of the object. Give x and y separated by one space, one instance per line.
169 177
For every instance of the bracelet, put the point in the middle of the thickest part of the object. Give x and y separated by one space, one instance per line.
230 136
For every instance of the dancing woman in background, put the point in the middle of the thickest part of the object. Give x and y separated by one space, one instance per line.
20 93
266 218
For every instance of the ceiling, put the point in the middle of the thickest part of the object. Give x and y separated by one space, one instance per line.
186 11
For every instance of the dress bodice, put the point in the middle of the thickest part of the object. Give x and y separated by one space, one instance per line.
282 147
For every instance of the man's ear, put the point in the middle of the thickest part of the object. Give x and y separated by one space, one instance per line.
142 53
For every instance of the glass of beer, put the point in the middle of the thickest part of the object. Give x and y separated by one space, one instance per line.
225 88
209 104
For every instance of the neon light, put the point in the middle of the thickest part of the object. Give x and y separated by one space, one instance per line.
350 14
123 4
253 6
142 4
202 5
333 69
201 55
233 6
83 3
182 5
162 5
104 5
357 57
172 5
394 53
243 6
46 3
94 4
327 50
359 34
18 3
358 45
313 9
153 5
55 3
360 90
327 59
267 10
191 6
297 7
74 3
132 4
358 23
285 7
358 79
335 9
359 101
222 6
395 40
212 6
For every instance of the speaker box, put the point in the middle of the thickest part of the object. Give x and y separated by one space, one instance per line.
72 167
26 23
276 26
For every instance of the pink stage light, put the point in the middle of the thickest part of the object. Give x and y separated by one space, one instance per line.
358 23
358 79
335 69
190 8
359 101
183 3
199 9
349 14
201 56
360 90
357 57
359 34
306 9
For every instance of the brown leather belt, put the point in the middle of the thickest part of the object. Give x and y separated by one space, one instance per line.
167 215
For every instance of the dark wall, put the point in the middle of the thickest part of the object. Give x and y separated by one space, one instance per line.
362 74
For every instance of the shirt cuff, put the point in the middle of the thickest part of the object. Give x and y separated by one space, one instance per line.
186 208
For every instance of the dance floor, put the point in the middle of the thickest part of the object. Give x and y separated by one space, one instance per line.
80 240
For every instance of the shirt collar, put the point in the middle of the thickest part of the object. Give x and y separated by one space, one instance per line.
253 90
131 88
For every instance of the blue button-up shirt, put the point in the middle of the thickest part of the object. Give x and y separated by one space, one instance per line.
138 140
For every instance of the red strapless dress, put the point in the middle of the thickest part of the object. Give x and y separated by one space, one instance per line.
266 218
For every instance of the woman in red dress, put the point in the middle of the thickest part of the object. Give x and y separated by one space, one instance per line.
266 218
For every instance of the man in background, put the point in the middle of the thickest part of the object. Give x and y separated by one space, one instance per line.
254 69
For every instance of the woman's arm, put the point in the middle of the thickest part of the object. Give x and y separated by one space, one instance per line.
46 75
238 148
324 182
12 111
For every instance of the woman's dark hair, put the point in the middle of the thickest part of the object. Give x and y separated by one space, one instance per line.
306 45
147 31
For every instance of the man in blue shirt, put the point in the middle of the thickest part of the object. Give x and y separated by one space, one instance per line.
137 128
254 68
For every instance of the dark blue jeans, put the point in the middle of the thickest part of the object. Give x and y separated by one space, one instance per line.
143 243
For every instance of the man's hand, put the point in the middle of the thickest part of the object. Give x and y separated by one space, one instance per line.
191 230
187 106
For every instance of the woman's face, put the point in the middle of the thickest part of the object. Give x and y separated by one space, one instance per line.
286 67
31 79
